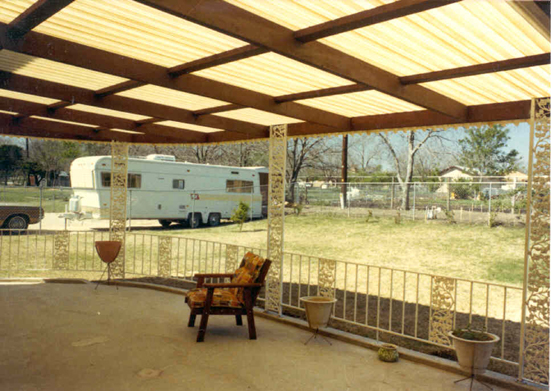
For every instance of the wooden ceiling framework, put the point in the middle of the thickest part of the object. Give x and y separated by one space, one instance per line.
191 104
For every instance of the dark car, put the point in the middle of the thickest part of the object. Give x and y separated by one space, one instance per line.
19 216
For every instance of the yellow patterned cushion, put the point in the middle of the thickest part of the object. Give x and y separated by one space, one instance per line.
253 263
222 298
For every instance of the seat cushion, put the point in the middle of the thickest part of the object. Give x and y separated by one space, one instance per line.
222 298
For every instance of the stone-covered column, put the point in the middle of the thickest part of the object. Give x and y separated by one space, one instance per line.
276 214
534 346
117 205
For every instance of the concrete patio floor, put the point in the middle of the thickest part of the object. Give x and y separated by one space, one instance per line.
71 337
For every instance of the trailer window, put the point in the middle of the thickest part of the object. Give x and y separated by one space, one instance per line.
237 186
134 180
178 184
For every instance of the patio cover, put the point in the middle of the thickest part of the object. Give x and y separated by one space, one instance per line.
211 71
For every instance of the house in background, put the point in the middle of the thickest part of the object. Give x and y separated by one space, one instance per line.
452 174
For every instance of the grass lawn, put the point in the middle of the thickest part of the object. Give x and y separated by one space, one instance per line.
457 250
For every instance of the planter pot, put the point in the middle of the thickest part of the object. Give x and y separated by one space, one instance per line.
473 356
108 250
388 353
318 310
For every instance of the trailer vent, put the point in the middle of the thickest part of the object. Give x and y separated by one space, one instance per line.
162 158
235 172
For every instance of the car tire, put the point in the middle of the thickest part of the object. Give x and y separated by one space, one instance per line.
165 223
17 222
194 220
214 219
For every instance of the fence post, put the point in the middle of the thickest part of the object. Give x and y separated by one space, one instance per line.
392 195
130 213
251 208
40 187
449 193
414 201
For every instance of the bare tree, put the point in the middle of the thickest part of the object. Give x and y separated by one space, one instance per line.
405 178
363 150
304 153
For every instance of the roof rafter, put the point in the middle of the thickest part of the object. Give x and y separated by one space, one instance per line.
375 15
114 89
104 121
244 25
479 69
218 109
217 59
34 15
322 92
33 86
44 46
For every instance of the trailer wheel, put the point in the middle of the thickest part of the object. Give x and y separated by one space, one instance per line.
214 219
17 222
165 223
194 220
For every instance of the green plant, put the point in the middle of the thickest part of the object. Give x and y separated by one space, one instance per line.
240 214
464 188
397 218
450 216
492 220
472 335
298 208
369 215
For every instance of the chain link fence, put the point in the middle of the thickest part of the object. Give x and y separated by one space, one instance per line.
463 202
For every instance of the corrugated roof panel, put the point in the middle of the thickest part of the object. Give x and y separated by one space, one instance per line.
112 113
272 74
27 97
258 117
131 29
519 84
11 9
169 97
40 68
181 125
361 103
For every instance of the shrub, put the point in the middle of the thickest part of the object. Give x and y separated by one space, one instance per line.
298 208
450 216
464 188
240 214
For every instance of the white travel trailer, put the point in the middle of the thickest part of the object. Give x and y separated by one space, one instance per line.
162 189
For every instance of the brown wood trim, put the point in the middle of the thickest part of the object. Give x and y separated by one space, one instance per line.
55 49
491 67
217 59
124 86
34 15
26 108
370 17
218 109
72 94
249 27
322 92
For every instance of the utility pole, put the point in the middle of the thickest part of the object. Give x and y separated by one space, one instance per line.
344 168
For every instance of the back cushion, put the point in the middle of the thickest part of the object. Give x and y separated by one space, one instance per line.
247 274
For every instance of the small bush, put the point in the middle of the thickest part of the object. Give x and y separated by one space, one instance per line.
240 214
298 208
450 216
397 218
369 215
492 220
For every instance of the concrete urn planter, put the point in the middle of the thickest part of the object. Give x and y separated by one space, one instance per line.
318 310
473 356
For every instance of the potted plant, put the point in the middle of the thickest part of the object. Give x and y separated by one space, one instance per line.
318 312
473 349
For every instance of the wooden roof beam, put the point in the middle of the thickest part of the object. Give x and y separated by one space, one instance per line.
479 69
27 109
55 49
247 26
114 89
217 109
48 89
321 93
216 59
34 15
369 17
